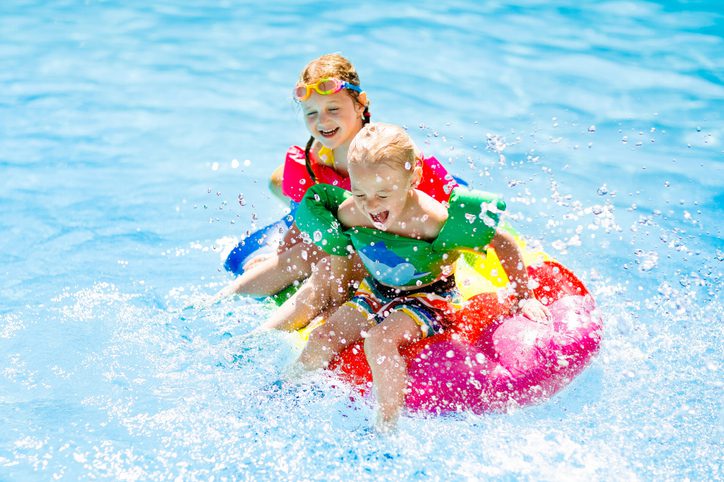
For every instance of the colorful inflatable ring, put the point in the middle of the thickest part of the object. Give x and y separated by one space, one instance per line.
490 359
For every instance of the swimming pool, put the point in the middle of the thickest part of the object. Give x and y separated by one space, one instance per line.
136 140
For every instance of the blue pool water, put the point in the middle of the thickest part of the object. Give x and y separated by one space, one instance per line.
129 132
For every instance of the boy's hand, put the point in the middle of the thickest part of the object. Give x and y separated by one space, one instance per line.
535 310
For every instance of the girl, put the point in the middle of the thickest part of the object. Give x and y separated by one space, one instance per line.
335 108
406 240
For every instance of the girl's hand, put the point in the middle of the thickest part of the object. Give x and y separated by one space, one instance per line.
535 310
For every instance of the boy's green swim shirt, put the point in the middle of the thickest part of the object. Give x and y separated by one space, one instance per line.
396 260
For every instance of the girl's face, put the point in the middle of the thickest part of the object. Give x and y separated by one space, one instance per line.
381 192
333 119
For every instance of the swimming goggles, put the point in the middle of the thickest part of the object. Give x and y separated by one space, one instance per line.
323 87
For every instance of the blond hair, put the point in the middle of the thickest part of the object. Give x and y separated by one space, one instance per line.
385 143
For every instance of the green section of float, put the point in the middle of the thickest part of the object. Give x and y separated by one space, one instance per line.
283 295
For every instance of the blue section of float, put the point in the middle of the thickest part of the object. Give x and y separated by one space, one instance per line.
261 241
461 181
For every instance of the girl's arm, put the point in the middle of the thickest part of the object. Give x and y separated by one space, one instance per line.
512 261
275 183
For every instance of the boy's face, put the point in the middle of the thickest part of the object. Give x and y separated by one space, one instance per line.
381 192
332 119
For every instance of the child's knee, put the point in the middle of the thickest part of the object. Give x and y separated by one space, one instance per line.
388 337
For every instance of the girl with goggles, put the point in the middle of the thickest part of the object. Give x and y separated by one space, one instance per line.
335 109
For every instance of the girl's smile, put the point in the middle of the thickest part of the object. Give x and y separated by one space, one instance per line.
333 119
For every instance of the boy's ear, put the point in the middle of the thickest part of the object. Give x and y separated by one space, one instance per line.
416 176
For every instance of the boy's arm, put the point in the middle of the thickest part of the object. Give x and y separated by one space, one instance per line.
512 261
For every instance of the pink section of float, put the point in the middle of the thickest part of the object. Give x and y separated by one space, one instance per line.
515 362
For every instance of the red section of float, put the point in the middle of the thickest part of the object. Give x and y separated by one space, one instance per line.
489 359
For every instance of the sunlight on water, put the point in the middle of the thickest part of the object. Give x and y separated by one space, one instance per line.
136 146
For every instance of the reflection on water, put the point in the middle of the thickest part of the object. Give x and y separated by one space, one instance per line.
137 138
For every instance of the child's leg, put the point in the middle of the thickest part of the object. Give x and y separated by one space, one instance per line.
309 301
344 327
389 369
323 292
276 272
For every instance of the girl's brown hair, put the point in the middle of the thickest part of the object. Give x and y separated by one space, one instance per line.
332 66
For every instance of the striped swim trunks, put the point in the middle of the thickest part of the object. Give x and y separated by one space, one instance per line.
427 306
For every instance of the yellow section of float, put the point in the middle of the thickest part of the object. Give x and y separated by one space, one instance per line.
477 273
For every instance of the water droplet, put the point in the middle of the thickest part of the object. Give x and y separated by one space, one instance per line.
592 128
234 163
215 166
603 190
647 260
247 162
495 143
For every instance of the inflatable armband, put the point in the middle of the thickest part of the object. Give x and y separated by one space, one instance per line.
472 219
316 216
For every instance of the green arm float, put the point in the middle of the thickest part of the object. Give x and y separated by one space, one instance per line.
317 216
472 220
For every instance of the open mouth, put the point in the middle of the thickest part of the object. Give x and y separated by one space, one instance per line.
380 218
330 133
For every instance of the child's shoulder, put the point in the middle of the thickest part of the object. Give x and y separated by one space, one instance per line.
432 214
348 214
